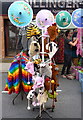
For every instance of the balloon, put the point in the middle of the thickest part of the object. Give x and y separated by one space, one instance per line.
63 19
77 18
44 18
20 13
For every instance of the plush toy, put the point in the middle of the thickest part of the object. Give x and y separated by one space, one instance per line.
32 30
51 90
55 72
36 64
42 96
52 47
45 69
52 83
34 48
30 67
32 97
52 31
50 35
38 82
50 95
37 61
47 83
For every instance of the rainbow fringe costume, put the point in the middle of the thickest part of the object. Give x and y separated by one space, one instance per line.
18 77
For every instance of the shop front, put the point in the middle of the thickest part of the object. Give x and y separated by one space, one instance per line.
9 35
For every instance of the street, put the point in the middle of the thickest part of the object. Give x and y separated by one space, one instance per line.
68 103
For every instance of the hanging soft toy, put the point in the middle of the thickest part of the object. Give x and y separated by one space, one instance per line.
42 96
45 69
52 83
55 72
34 49
52 96
52 31
30 67
52 47
32 97
38 82
32 30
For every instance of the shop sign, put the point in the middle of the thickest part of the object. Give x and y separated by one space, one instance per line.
54 5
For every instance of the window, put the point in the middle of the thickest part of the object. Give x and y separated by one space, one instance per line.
11 36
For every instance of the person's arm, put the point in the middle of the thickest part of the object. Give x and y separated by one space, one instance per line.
73 43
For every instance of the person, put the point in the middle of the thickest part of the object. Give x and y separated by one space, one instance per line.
68 43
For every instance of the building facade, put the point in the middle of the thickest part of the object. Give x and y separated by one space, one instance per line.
9 33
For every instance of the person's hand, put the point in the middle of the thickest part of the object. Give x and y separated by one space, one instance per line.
74 39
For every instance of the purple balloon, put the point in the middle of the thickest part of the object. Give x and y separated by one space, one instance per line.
44 18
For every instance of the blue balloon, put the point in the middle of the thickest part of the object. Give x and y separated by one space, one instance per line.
77 18
20 13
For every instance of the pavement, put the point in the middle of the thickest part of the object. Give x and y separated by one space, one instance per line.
69 104
5 64
4 67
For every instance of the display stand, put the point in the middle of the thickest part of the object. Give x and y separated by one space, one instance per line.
44 110
20 76
40 116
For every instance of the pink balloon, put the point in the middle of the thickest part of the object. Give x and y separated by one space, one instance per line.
44 18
